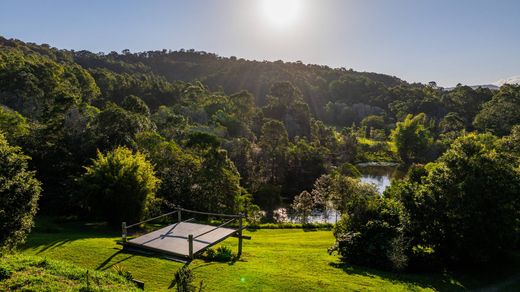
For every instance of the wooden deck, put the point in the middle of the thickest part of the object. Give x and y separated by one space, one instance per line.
173 239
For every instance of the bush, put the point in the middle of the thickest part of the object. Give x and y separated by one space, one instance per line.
118 185
5 272
183 280
372 235
222 254
19 194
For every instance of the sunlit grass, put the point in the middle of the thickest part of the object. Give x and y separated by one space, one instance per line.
274 260
32 273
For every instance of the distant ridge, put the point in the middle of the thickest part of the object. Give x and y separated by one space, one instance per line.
489 86
510 80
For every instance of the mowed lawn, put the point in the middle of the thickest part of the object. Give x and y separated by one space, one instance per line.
274 260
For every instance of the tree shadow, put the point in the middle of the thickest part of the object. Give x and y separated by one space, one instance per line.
50 233
438 282
104 265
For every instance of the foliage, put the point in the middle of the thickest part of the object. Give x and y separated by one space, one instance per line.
118 185
115 126
183 280
274 142
500 114
412 138
134 104
348 169
473 190
469 192
222 254
371 234
13 125
19 194
303 204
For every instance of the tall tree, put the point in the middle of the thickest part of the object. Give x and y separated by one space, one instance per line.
19 194
273 142
412 138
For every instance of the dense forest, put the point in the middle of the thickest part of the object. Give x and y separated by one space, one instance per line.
123 136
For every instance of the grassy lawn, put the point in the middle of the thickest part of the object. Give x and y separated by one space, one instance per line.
30 273
274 260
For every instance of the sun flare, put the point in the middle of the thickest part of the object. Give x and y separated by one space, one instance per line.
281 13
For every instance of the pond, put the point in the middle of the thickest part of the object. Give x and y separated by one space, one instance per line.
381 174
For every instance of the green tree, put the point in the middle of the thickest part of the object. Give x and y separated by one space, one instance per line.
500 114
372 122
19 194
13 125
118 185
471 191
372 235
274 142
412 138
135 104
115 126
303 204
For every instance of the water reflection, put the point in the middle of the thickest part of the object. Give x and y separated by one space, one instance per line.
379 174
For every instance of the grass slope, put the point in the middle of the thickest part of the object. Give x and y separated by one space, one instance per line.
274 260
31 273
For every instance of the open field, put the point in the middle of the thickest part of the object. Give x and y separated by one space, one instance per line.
274 260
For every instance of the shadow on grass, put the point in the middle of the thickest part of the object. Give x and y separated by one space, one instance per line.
503 274
50 233
437 282
105 264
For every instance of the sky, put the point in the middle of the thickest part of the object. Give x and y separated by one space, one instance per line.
447 41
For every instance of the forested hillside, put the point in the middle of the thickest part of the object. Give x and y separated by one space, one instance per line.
282 124
124 136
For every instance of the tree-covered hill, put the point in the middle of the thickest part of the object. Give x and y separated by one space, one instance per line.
240 132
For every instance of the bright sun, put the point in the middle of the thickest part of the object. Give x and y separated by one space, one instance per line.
281 12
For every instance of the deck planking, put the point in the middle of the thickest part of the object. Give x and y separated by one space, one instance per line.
173 239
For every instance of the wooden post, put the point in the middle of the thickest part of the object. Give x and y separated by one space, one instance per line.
179 217
123 227
190 245
240 235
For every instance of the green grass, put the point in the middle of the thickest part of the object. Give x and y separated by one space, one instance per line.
274 260
32 273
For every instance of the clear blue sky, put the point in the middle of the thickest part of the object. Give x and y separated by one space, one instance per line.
449 41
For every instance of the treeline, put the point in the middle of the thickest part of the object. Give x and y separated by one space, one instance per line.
121 136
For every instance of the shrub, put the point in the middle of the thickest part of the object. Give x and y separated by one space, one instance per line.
221 254
224 254
19 194
5 272
372 235
122 272
118 185
183 280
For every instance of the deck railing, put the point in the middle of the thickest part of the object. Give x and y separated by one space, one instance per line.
191 238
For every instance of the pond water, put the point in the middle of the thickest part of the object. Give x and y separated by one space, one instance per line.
380 174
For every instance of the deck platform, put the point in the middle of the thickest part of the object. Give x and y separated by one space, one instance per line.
173 239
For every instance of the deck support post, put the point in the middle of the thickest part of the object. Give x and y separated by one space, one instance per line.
240 235
179 217
124 231
190 245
